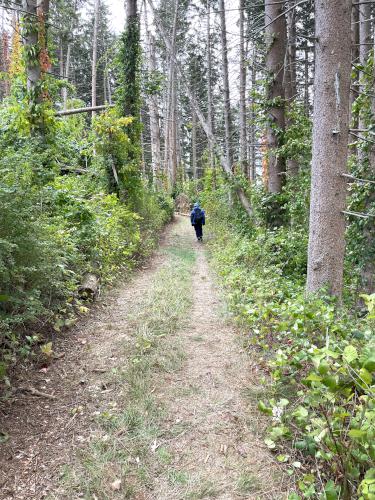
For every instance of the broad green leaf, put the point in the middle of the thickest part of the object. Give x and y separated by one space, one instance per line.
350 354
365 375
330 491
313 377
271 444
357 433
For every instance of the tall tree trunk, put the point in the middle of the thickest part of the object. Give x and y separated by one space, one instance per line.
227 107
5 63
66 74
94 55
173 122
209 84
170 155
252 172
194 144
355 58
290 78
330 145
154 119
306 80
276 49
61 62
243 115
153 107
364 48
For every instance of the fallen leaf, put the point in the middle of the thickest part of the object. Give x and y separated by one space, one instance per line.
116 485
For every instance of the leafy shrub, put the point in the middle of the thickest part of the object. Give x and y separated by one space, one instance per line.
58 222
320 358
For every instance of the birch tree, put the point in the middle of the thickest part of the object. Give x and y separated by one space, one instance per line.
330 145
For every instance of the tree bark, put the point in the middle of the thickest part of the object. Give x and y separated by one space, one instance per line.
243 114
355 58
154 120
252 166
364 49
306 96
227 107
153 108
194 144
330 146
290 78
276 49
94 56
209 84
170 155
66 75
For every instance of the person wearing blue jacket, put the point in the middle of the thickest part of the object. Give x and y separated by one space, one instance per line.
198 220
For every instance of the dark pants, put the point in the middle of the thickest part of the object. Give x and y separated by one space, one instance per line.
198 230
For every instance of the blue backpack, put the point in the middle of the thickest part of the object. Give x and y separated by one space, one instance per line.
198 215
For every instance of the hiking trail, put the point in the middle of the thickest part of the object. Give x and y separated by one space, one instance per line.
152 397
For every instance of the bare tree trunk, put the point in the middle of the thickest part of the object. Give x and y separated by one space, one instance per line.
276 49
66 74
252 173
153 108
355 58
61 63
306 97
209 86
109 90
227 107
173 123
94 55
330 145
194 144
170 159
243 114
364 47
290 78
154 120
5 62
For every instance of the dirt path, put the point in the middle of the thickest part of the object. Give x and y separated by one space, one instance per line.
201 444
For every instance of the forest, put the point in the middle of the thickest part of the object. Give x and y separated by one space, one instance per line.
136 362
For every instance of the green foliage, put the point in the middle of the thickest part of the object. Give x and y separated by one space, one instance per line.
60 219
319 359
128 92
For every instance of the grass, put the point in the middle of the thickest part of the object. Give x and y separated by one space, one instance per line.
206 489
247 483
127 433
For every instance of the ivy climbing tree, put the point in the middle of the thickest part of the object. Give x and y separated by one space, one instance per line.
129 100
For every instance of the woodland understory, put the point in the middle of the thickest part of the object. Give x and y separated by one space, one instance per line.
261 110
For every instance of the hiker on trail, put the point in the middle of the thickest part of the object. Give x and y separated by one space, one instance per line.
198 219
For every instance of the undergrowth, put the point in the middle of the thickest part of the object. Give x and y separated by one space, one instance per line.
128 453
319 357
60 219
